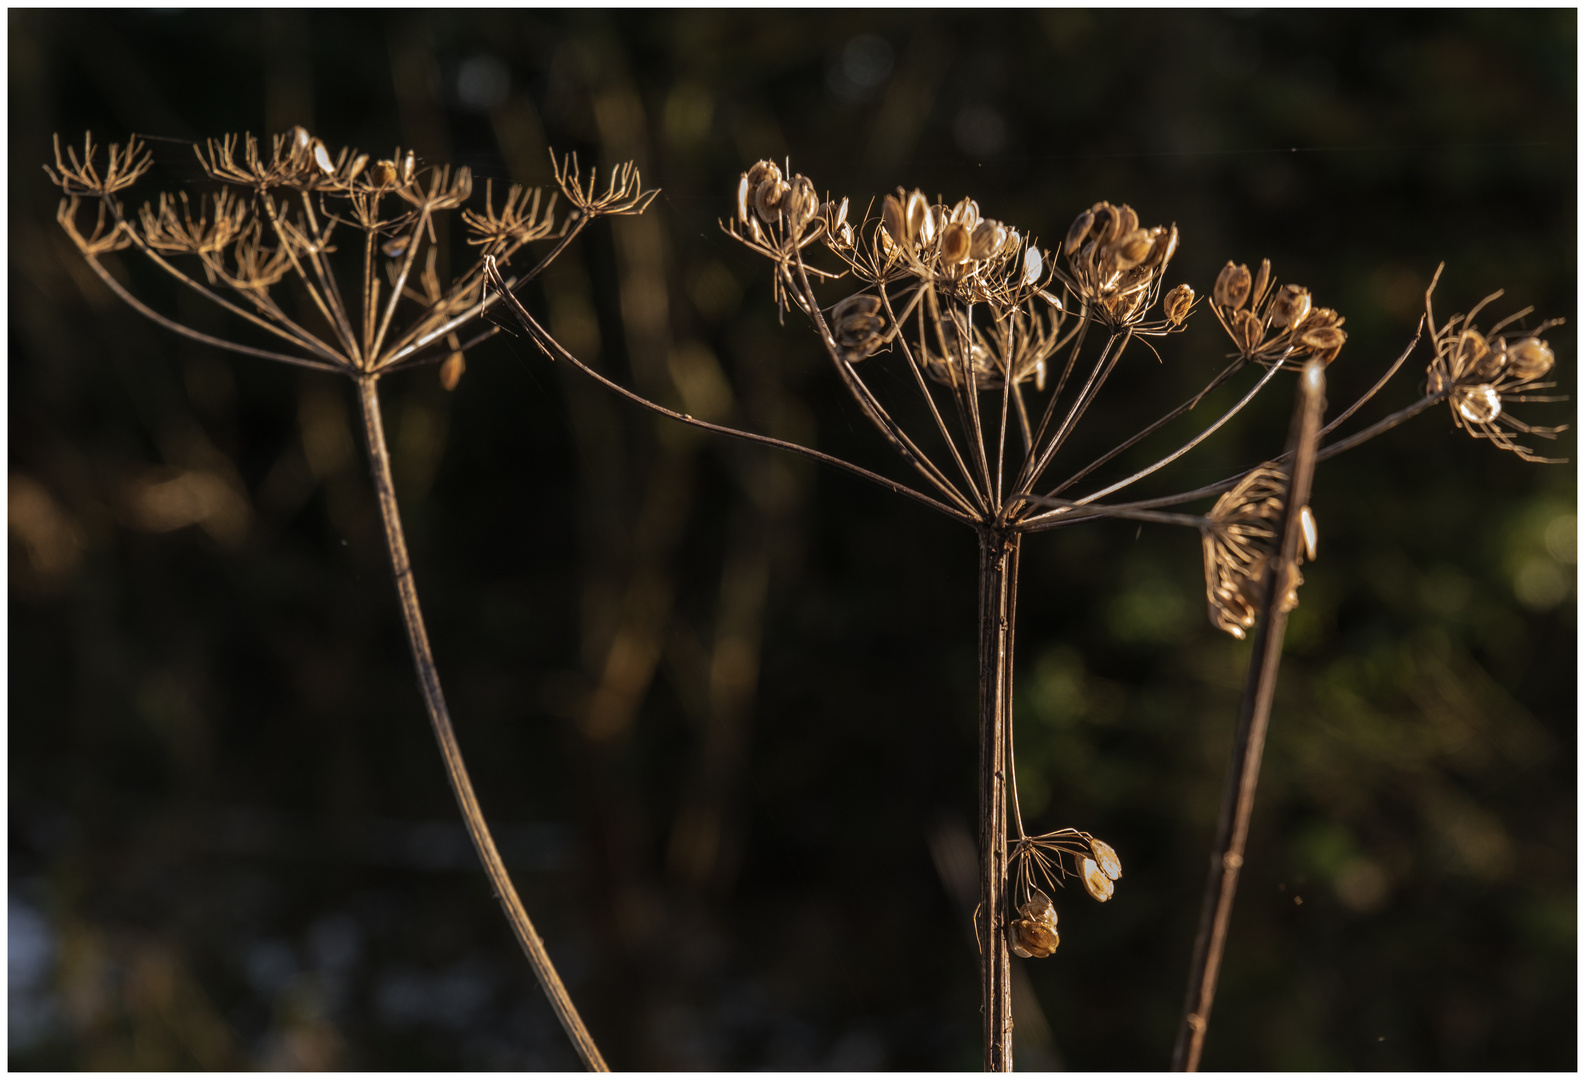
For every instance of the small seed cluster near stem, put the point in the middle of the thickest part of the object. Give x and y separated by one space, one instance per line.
263 247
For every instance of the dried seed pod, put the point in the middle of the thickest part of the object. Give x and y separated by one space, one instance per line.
395 247
1031 940
966 213
1468 353
742 198
1095 882
894 220
1106 221
1177 303
1039 908
1127 222
858 304
1529 359
920 221
1479 404
1078 232
762 170
1248 331
1307 526
768 198
800 202
300 139
1106 858
356 168
321 158
1323 339
451 370
1034 266
1257 291
955 244
988 240
1232 287
384 173
1164 244
1291 306
408 164
1133 247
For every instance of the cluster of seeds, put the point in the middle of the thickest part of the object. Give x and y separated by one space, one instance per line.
1478 372
295 198
1116 267
1278 326
1044 859
1240 541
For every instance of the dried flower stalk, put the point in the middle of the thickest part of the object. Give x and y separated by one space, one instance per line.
993 337
275 221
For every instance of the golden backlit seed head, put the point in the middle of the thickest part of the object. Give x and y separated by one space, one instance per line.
1529 359
1291 306
383 174
1095 881
1177 304
1232 287
1106 858
1479 404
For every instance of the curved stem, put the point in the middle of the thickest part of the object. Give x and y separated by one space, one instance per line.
440 720
1243 771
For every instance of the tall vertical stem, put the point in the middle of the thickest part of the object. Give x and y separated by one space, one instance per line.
1249 743
998 590
450 752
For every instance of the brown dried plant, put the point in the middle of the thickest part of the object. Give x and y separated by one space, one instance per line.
994 339
266 246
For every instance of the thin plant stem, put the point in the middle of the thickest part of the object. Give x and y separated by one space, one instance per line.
1249 743
445 735
998 588
554 350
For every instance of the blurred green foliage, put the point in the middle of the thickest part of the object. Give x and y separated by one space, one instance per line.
231 844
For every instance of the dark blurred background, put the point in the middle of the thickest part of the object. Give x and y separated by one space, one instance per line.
719 703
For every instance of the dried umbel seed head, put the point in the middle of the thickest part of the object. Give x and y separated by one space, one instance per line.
1529 359
1177 303
1106 858
1479 404
1322 334
988 240
1095 880
1232 287
858 325
1291 306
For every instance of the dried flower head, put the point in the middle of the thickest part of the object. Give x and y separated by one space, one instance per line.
1279 326
299 194
1478 372
1116 267
1240 541
1047 860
